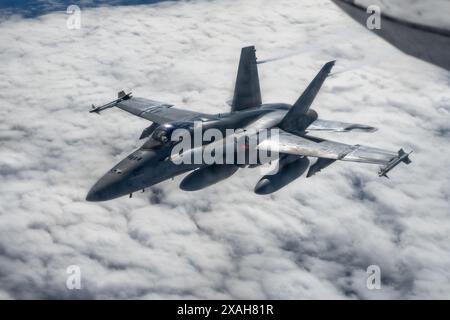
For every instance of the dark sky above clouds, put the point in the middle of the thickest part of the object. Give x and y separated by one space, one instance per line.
35 8
313 239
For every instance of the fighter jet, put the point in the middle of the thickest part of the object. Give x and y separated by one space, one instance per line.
154 161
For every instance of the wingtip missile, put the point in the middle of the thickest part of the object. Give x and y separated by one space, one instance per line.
402 157
94 109
120 97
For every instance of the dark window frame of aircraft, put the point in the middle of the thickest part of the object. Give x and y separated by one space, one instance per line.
428 43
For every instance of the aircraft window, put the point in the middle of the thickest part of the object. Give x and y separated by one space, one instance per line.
118 171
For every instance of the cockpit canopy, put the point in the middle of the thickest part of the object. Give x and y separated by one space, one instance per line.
163 133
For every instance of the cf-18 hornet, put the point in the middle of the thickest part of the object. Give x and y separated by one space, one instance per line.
294 145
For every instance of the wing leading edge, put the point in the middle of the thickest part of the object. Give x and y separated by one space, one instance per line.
155 111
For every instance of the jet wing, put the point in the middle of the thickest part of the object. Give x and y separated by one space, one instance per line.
155 111
336 126
321 148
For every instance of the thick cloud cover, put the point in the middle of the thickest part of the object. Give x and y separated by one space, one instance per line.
313 239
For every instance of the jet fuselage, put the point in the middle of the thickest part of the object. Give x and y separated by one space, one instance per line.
146 167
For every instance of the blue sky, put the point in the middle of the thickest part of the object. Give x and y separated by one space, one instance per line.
34 8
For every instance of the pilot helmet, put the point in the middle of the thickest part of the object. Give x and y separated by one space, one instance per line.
162 133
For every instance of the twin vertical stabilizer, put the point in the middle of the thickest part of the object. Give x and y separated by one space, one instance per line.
247 93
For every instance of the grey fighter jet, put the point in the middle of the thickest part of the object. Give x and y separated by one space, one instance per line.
153 162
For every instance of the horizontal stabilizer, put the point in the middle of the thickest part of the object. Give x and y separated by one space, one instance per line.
337 126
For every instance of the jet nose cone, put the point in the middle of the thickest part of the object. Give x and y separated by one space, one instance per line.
104 189
95 194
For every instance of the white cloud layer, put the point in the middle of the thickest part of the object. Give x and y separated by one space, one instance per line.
313 239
